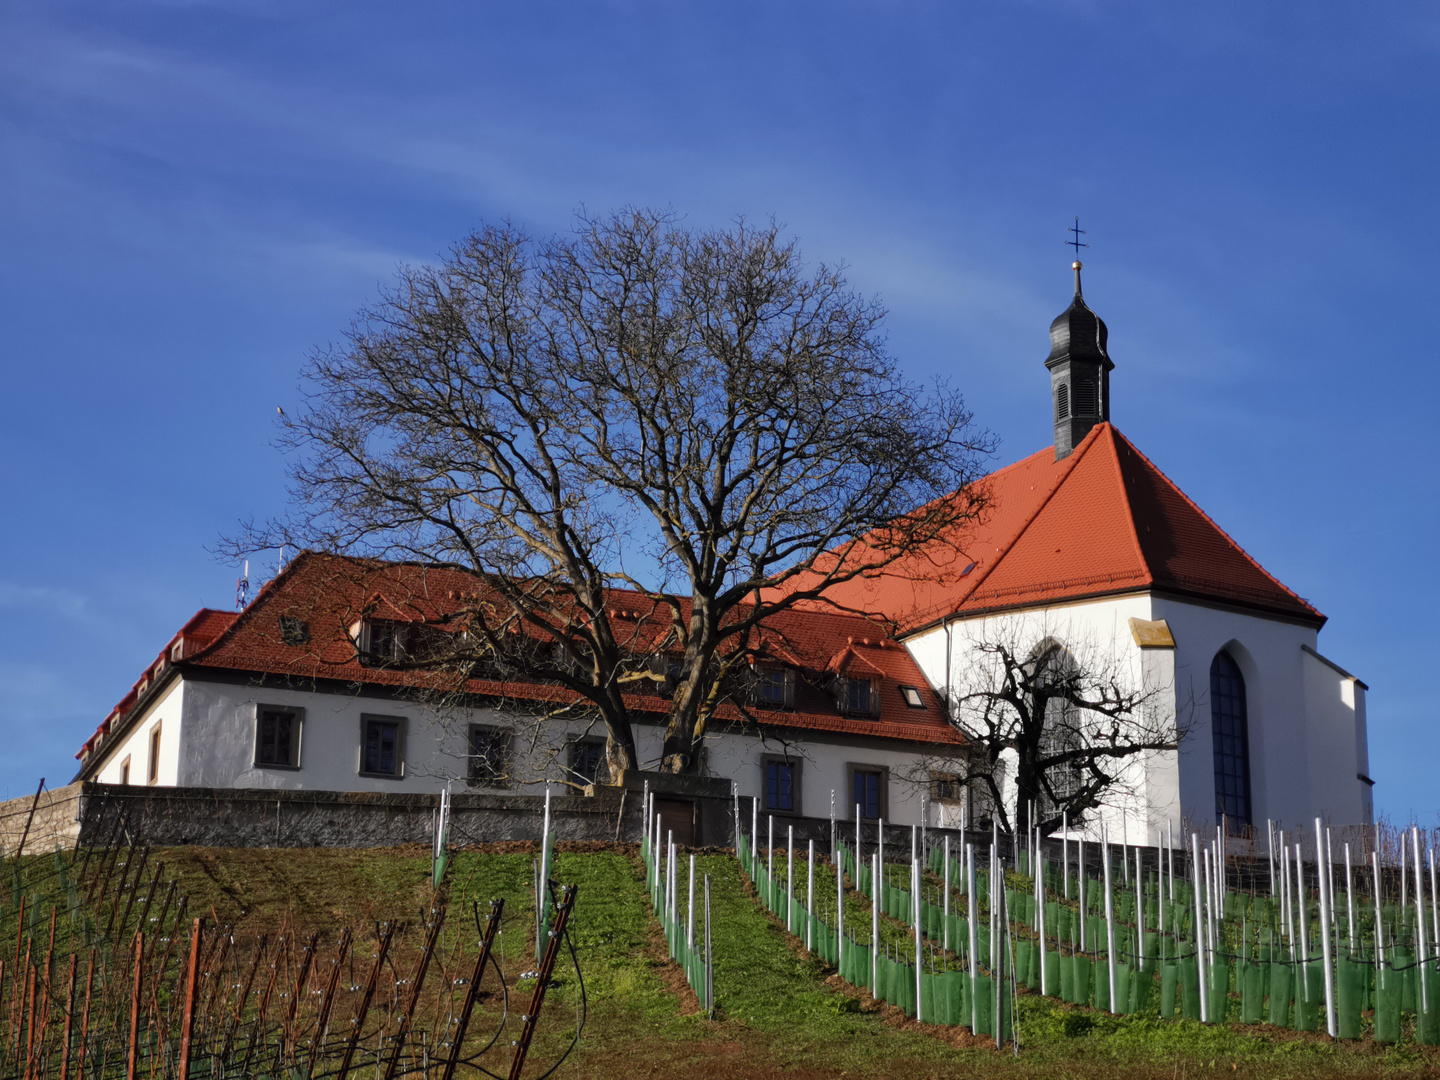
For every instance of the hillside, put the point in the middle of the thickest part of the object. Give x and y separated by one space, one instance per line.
779 1013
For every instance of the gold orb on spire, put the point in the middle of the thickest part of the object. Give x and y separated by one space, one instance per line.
1077 265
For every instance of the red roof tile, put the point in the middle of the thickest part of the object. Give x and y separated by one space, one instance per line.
1102 520
201 630
331 593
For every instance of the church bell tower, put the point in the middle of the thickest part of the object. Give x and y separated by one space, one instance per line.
1079 372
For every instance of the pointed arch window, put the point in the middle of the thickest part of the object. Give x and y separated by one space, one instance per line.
1062 728
1230 727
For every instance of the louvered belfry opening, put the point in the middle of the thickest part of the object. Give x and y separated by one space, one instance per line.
1079 372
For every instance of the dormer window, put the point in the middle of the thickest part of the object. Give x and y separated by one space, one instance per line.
775 687
667 670
387 641
857 697
379 642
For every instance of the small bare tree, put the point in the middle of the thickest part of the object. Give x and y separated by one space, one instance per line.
1054 730
692 416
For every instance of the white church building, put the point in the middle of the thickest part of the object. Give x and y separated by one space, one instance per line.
1086 543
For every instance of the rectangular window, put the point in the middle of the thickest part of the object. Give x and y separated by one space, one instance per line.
780 787
946 788
868 790
858 697
489 756
382 746
775 687
153 765
587 761
277 737
125 771
380 642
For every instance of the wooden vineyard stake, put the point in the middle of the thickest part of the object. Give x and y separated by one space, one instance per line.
215 973
29 1016
280 943
417 981
119 891
30 817
472 991
322 1022
289 1036
96 893
358 1022
192 981
542 982
150 895
134 888
133 1041
69 1018
164 910
85 1015
244 996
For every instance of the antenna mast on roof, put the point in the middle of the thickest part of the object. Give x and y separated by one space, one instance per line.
280 566
242 588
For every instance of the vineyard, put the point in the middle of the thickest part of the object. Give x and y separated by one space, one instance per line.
121 961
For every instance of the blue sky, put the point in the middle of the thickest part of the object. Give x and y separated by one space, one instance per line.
192 195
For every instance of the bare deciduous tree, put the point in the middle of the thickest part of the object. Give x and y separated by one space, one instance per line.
1053 729
692 415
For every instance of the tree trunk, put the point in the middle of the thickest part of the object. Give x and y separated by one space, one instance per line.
681 742
620 753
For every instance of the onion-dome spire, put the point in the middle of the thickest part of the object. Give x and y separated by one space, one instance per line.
1079 371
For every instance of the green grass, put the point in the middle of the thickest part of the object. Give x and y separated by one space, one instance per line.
778 1013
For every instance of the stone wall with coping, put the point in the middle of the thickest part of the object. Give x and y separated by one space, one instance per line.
55 823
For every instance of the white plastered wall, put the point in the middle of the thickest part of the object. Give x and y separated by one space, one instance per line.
1339 756
330 739
824 765
1306 718
1283 742
166 712
219 749
1096 633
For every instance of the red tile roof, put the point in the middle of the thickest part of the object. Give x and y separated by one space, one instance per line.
331 593
1100 521
200 631
1103 520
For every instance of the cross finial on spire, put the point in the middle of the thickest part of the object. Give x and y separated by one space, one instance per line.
1079 232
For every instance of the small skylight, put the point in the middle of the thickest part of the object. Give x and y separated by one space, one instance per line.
967 569
912 697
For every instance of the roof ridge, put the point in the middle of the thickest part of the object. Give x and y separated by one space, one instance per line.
1214 525
1125 502
243 614
1069 469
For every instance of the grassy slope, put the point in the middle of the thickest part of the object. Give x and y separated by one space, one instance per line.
780 1016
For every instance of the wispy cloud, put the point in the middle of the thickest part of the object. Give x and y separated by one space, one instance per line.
44 600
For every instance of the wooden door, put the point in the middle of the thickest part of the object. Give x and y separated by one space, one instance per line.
677 816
